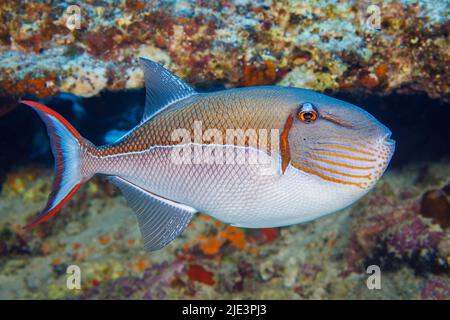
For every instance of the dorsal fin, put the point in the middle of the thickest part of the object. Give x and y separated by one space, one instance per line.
162 88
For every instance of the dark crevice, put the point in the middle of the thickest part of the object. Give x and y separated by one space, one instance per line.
420 125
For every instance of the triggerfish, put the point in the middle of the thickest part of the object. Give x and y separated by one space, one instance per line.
255 157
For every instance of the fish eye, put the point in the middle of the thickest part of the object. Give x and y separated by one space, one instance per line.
307 113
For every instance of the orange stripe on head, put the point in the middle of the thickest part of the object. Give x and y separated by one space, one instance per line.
340 155
337 121
284 144
344 174
328 178
340 164
354 143
345 148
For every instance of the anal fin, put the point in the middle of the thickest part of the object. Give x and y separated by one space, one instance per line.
160 220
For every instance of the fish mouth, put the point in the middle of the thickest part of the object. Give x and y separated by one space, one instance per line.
387 141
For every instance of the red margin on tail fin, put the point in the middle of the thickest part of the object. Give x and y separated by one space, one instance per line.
51 209
52 212
53 113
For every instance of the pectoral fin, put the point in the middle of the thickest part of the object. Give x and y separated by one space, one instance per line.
160 220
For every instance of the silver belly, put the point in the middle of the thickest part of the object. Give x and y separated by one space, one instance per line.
249 195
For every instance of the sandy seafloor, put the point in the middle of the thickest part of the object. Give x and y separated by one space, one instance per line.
324 259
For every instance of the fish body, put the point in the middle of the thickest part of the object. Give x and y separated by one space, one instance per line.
252 157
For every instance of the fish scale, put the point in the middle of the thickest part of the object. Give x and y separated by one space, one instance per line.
311 165
214 113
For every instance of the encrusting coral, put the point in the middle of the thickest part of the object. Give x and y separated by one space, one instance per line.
325 45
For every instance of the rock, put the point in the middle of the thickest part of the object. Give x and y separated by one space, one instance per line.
290 273
446 189
436 205
73 228
436 289
426 177
266 270
392 234
328 46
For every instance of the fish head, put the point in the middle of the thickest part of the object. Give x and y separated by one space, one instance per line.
339 143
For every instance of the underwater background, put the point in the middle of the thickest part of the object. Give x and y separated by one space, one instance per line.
389 57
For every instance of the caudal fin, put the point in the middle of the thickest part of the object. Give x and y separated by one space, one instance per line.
66 144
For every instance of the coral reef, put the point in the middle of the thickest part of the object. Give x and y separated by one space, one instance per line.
323 259
325 45
402 226
435 204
